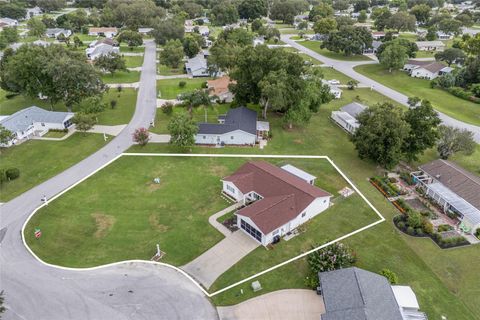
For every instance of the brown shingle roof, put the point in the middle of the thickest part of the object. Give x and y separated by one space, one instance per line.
285 195
434 67
463 183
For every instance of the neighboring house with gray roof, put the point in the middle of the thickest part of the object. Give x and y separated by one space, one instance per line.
56 32
346 117
238 127
197 66
101 47
454 189
357 294
35 121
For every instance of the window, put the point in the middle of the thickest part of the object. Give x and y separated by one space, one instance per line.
230 188
251 230
43 124
324 201
231 137
304 214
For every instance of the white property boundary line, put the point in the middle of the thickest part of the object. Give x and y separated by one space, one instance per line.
382 219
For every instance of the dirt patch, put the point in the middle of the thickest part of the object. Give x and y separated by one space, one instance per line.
152 187
104 224
298 141
155 223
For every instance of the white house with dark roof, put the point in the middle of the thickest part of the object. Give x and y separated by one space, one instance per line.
101 47
434 45
276 200
425 69
357 294
9 22
108 32
346 117
56 32
454 189
35 121
197 66
238 127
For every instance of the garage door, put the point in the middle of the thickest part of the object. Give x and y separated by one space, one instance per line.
251 230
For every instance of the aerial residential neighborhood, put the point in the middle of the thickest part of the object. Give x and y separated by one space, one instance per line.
240 159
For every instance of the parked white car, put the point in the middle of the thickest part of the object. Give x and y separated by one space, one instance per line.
334 81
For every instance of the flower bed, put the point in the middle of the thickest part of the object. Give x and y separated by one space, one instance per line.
442 239
388 189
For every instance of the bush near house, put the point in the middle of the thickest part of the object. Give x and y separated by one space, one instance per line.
12 173
390 275
383 183
444 227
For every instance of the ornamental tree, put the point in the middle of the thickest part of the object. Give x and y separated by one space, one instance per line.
141 136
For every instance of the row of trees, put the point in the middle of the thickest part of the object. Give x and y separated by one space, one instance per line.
387 134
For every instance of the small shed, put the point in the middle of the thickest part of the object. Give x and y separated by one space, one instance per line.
300 173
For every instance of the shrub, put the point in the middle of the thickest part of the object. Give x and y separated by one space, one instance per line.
113 104
141 136
12 173
167 108
204 85
401 225
427 227
452 215
119 88
182 84
390 275
407 178
444 227
419 232
410 231
415 219
477 233
3 176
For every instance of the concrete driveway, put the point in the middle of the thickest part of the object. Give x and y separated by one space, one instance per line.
221 257
298 304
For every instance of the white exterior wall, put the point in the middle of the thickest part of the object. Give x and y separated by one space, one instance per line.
423 73
250 222
236 194
341 122
239 138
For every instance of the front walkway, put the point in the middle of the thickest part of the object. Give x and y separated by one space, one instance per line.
110 130
221 257
298 304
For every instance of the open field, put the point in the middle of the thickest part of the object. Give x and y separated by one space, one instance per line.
315 46
40 160
122 114
133 61
121 77
167 71
124 48
169 88
443 280
443 101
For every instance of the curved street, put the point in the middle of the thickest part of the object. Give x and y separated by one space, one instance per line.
125 291
346 67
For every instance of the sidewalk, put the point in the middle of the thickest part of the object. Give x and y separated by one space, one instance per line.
110 130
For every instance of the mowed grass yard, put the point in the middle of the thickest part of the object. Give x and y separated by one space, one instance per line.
446 282
315 46
129 214
443 101
40 160
121 114
133 61
163 70
169 88
122 77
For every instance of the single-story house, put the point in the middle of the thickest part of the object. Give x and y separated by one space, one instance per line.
101 47
197 66
34 121
56 32
219 87
202 30
238 127
425 69
33 12
454 189
373 49
354 293
277 200
346 117
9 22
3 25
334 90
435 45
444 36
378 35
108 32
145 31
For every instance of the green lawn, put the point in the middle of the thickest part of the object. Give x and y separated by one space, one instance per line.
442 101
315 46
122 77
40 160
169 88
409 36
133 61
330 73
440 288
126 100
123 112
54 134
306 57
125 48
425 54
84 37
120 214
167 71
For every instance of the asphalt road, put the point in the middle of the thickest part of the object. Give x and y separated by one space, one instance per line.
128 291
346 67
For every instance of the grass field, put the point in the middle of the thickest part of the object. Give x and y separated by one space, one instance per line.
315 46
445 281
120 115
169 88
124 48
40 160
167 71
133 61
442 101
122 77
